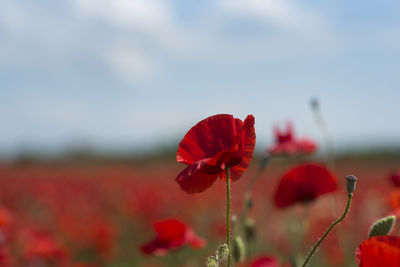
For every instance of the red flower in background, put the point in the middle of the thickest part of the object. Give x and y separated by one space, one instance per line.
210 146
171 234
394 201
379 251
5 257
395 178
304 183
42 245
287 144
264 262
5 217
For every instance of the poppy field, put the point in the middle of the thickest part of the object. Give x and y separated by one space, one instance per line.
215 203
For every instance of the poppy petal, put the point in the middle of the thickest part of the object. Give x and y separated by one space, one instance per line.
304 183
208 137
249 137
193 240
154 247
264 262
379 251
193 180
171 229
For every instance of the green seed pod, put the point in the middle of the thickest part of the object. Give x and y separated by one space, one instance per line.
238 249
249 229
383 226
351 183
212 262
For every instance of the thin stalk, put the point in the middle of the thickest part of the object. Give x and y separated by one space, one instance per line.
349 198
330 150
228 215
303 226
248 192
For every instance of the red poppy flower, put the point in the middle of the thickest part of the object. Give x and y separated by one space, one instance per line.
264 262
287 144
210 146
171 234
304 183
379 251
395 178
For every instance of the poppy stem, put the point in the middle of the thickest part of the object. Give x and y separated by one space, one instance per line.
320 121
349 198
228 215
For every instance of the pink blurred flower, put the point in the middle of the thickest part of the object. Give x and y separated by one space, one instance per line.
287 144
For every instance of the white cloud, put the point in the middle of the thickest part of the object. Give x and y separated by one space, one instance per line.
130 64
148 15
283 14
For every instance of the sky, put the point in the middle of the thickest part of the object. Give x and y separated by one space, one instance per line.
136 74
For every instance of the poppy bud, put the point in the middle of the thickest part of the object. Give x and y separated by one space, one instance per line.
382 226
249 229
212 262
351 183
238 249
222 253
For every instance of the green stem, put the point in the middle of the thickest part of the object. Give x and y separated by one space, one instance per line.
303 226
228 215
349 197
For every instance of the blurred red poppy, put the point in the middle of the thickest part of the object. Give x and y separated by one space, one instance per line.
42 245
210 146
379 251
264 262
171 234
287 144
5 217
395 178
394 200
304 183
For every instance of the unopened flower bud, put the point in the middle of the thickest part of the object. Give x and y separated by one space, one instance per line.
238 249
222 253
383 226
249 229
351 183
212 261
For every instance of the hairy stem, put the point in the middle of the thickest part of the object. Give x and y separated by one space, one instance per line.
228 215
349 198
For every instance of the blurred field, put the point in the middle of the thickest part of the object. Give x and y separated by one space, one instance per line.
101 212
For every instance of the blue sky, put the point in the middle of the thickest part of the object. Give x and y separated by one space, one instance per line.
139 73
